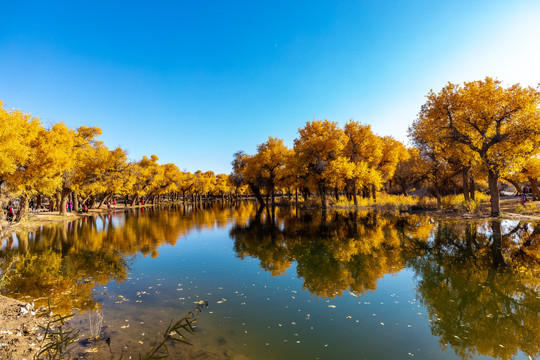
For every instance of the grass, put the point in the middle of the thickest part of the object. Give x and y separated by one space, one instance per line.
457 203
385 201
527 208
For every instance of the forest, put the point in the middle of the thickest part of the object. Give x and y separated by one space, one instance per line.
466 138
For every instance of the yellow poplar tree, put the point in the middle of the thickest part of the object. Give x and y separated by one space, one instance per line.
319 143
501 126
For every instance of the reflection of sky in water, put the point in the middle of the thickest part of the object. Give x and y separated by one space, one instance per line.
254 315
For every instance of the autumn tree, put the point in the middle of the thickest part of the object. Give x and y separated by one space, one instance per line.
18 132
244 173
364 150
318 145
410 173
42 171
501 126
265 168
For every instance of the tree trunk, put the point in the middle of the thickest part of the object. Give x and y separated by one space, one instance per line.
52 201
493 179
92 201
134 201
534 189
514 183
257 192
102 201
23 209
472 186
58 202
38 201
465 175
374 192
63 201
75 201
322 192
355 197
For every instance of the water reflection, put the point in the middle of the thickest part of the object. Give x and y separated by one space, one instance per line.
481 286
478 281
65 262
334 253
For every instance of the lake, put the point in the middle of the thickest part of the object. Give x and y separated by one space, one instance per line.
287 284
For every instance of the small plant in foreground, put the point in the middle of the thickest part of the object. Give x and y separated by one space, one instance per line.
58 338
175 332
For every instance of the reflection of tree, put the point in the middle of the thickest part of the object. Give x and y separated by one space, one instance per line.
65 262
343 251
264 240
481 289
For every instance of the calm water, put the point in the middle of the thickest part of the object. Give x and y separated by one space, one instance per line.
289 285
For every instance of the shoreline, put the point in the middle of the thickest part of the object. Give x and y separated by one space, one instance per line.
35 220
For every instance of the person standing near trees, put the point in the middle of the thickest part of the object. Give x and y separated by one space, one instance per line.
10 213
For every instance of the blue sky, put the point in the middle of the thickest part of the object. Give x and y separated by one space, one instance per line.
195 81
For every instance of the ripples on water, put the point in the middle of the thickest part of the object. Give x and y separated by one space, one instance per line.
288 284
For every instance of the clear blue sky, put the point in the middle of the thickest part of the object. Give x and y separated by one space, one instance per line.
195 81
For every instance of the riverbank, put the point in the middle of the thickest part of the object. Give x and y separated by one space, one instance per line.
511 208
38 219
20 330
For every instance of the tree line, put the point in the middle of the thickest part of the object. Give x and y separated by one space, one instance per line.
71 165
465 136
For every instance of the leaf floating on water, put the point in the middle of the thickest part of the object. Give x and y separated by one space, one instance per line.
332 306
349 317
222 301
382 323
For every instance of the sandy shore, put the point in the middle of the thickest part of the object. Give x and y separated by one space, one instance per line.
19 332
